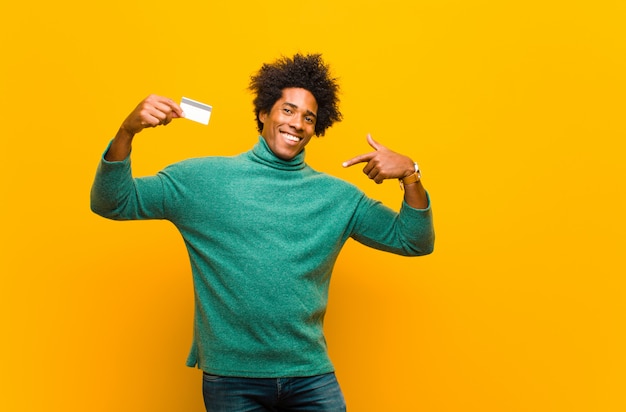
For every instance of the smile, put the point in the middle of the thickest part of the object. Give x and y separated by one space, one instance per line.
291 137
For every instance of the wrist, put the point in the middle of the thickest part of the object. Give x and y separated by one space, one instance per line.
120 147
125 133
413 177
412 168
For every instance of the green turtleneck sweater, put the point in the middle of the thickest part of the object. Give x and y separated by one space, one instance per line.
263 235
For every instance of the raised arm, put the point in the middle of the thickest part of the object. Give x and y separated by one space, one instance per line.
151 112
384 163
114 193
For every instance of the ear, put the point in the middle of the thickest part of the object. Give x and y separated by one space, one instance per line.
262 116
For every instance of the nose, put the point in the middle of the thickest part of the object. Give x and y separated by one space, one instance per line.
296 122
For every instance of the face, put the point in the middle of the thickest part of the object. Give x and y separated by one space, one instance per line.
289 126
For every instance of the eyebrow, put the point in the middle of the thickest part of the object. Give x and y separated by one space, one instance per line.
296 107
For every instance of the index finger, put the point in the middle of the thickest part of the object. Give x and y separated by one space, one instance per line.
176 109
359 159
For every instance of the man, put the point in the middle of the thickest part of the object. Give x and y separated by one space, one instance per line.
263 231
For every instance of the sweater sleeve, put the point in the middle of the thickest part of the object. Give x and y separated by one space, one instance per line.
116 195
408 233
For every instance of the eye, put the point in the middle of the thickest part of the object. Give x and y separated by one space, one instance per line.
309 119
286 110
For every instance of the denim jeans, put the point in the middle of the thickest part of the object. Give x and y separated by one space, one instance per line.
315 393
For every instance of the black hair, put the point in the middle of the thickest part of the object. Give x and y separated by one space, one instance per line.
308 72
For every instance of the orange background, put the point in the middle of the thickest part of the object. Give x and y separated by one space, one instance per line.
514 110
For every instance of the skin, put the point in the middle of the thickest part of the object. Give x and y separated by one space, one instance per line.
153 111
287 128
290 124
383 163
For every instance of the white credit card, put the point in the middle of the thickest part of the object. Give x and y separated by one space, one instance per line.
196 111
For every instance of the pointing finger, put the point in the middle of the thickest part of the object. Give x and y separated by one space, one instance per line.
358 159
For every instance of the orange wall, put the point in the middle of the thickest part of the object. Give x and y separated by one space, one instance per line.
515 111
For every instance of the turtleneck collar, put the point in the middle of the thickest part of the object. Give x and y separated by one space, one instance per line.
262 153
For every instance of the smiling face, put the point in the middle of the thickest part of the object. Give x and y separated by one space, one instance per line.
289 126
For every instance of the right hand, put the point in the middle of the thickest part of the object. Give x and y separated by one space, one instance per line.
153 111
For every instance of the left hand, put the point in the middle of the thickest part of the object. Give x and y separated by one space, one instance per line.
383 163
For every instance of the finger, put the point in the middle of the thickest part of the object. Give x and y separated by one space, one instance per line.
165 110
376 175
373 143
163 104
150 121
154 116
168 108
358 159
373 173
176 110
368 168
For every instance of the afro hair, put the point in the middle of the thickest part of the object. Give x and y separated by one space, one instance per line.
308 72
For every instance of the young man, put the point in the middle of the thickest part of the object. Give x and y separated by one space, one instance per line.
263 231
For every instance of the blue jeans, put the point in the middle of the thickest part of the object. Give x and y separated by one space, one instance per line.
315 393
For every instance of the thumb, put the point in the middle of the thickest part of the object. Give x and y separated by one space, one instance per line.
373 143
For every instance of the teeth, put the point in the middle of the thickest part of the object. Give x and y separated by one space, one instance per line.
291 137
